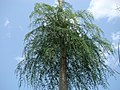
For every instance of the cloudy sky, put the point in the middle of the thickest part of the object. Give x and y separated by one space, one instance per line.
14 24
105 9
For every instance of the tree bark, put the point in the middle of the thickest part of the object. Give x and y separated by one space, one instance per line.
60 3
63 84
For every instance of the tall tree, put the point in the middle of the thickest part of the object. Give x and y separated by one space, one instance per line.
65 50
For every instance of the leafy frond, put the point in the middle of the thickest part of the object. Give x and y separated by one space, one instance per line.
84 43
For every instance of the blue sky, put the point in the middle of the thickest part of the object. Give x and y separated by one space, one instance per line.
14 24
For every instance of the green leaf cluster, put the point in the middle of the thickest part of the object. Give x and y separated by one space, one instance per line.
54 28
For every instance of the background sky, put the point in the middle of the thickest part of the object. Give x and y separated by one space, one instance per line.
14 24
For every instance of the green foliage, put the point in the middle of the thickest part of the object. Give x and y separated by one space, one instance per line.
84 43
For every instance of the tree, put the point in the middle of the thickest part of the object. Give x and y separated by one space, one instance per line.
65 49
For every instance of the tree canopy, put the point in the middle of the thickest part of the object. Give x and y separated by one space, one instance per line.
54 27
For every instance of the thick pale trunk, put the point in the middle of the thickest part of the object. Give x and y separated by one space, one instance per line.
60 3
63 84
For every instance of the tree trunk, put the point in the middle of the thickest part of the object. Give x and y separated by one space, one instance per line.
60 3
63 84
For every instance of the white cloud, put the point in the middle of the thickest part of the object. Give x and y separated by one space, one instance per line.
18 59
113 61
116 36
56 1
7 22
104 9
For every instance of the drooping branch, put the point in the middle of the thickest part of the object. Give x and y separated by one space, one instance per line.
63 46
